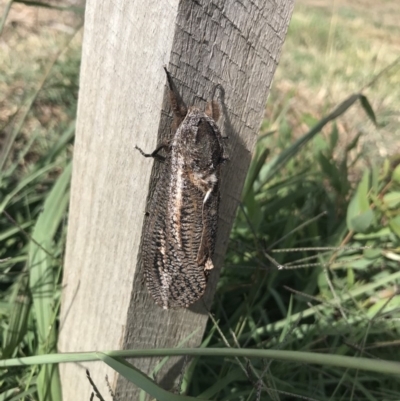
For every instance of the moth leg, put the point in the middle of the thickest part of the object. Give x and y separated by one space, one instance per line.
206 242
177 104
154 154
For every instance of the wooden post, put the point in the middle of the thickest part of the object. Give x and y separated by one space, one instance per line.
123 103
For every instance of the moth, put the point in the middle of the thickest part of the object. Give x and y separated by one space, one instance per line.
180 232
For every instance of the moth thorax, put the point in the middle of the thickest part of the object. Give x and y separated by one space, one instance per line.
205 180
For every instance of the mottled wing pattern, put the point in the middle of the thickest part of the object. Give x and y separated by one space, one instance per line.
181 228
180 235
154 235
171 242
188 278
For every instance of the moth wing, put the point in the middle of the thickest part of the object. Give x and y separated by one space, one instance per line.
189 279
155 238
171 242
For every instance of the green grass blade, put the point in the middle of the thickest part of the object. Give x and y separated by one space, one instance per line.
61 144
14 165
24 395
13 230
348 362
43 283
19 314
359 203
141 380
24 183
258 162
366 105
235 374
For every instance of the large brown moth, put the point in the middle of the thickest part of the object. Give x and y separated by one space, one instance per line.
179 235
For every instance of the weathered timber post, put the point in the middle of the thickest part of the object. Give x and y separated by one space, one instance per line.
123 103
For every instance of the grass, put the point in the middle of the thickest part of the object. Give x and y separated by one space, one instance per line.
334 49
321 194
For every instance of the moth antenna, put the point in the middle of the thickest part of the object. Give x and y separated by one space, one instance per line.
212 108
177 104
217 86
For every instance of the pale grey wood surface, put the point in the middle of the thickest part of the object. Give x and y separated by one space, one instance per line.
236 44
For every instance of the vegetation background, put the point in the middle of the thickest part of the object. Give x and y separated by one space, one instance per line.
314 185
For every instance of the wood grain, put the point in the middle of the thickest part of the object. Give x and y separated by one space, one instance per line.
123 103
